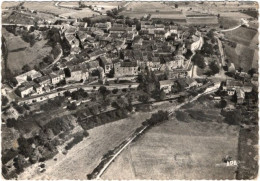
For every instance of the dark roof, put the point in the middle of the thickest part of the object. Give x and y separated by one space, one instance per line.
129 64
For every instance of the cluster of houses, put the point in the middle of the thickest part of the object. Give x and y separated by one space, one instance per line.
237 88
35 83
115 49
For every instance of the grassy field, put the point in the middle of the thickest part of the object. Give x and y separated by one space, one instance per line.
49 7
156 9
241 35
20 53
8 4
187 149
242 56
245 54
85 156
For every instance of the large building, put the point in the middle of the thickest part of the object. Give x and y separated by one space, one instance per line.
126 69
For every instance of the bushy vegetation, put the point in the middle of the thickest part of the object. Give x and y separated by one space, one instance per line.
76 140
198 60
232 117
4 100
53 104
58 125
103 118
157 118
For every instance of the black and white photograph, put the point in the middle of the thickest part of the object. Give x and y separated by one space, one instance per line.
129 90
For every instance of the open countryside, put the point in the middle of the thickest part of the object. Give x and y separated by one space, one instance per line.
129 90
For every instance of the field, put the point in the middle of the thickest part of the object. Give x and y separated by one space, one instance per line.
7 4
245 54
49 7
106 6
156 9
242 35
20 53
85 156
187 149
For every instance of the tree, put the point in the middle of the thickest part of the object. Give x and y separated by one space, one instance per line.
4 100
181 99
144 98
14 82
11 122
214 68
67 94
156 118
67 72
75 95
252 71
19 109
240 69
162 95
111 73
198 60
25 106
26 68
103 91
207 49
114 91
223 103
29 78
72 106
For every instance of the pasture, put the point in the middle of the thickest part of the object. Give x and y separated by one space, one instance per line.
180 149
49 7
245 54
20 53
242 35
156 9
242 56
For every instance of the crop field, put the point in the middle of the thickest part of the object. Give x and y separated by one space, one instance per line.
245 54
241 35
49 7
180 149
242 56
7 4
20 53
71 4
156 9
106 6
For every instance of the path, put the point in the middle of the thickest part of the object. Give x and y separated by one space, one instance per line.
56 59
207 91
243 22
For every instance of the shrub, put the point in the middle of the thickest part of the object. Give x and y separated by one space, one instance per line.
4 100
72 106
26 68
144 98
233 117
14 82
11 122
198 60
114 91
157 118
75 141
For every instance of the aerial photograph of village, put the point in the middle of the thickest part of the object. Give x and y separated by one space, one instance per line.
129 90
